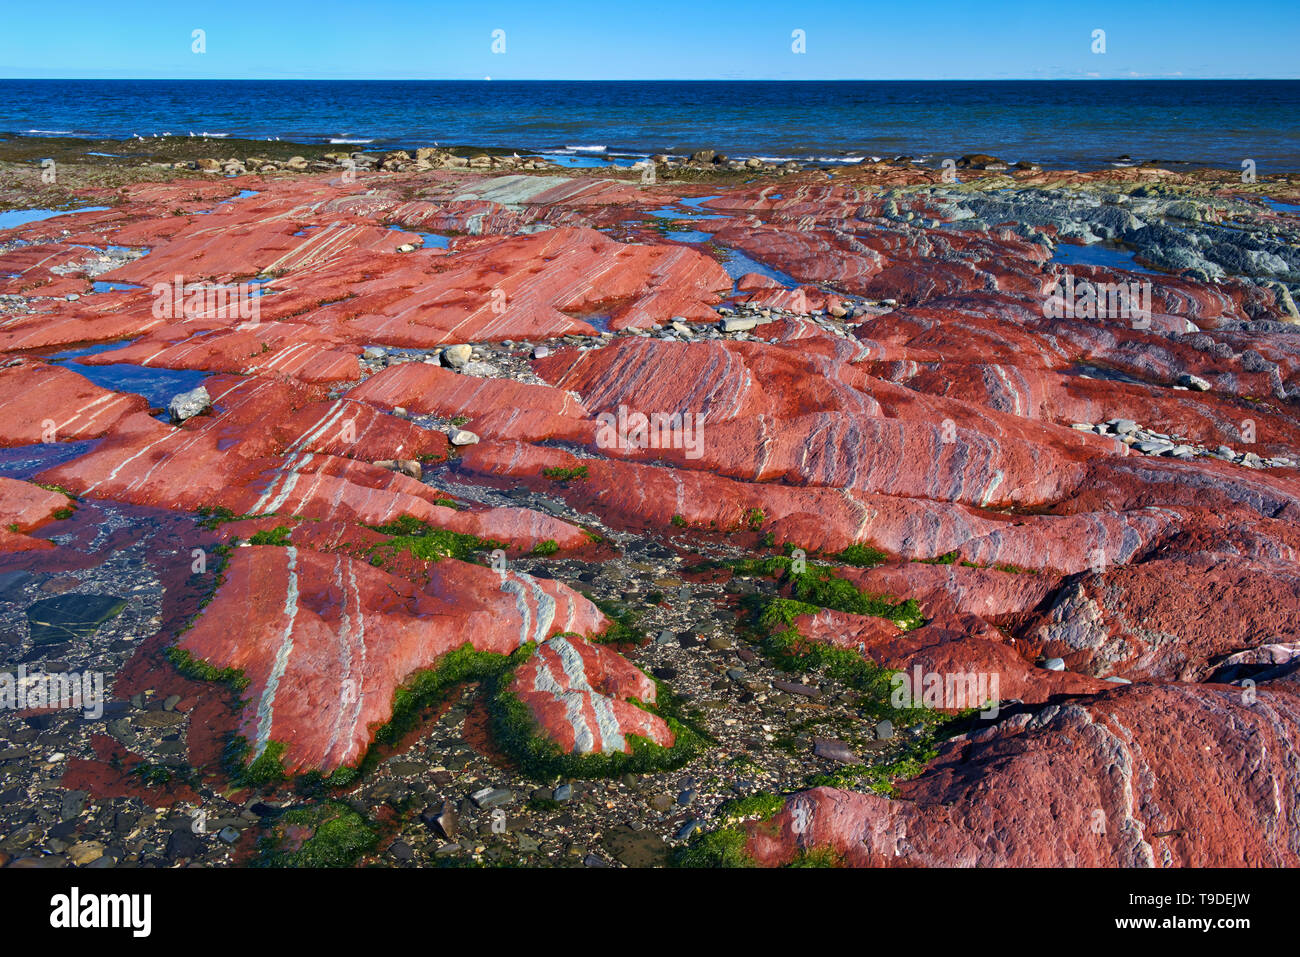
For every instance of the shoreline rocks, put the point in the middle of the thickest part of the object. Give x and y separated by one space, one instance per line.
588 425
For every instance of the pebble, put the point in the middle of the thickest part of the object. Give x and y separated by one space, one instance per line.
1194 382
834 750
85 853
687 829
457 356
491 797
738 323
794 687
443 819
186 405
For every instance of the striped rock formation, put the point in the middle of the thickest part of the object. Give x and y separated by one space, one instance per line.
953 644
420 387
27 507
578 694
1141 776
1130 621
306 353
327 640
296 465
540 285
930 420
46 403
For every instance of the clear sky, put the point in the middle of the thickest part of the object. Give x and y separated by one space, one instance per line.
650 39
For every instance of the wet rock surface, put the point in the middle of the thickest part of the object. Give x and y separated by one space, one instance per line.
565 520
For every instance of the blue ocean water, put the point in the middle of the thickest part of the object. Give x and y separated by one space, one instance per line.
1057 123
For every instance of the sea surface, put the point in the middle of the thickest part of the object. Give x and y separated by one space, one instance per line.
1061 123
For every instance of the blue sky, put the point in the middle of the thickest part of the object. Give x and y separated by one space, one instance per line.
650 39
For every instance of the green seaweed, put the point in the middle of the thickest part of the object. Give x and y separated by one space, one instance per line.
271 536
339 836
409 534
201 670
863 556
721 848
622 622
559 474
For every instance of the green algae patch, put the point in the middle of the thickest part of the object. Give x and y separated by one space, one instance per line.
52 487
271 536
763 806
201 670
423 690
791 650
722 848
817 857
861 556
427 687
423 541
725 847
267 768
160 776
330 834
880 778
623 621
558 474
821 586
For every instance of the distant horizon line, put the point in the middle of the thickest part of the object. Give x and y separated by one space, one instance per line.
316 79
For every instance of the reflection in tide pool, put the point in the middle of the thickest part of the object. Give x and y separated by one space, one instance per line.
25 461
738 264
156 385
21 217
1106 255
89 350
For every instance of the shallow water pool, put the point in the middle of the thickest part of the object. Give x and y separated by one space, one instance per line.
156 385
21 217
